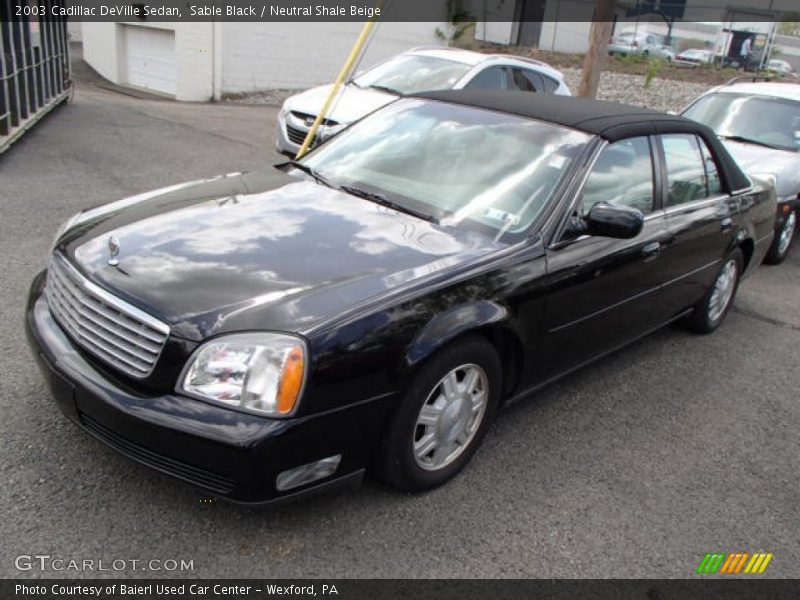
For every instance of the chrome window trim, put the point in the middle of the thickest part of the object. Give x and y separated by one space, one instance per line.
694 204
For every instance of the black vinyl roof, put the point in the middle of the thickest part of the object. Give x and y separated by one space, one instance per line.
608 120
596 117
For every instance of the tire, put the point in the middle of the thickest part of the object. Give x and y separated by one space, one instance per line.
453 425
712 308
779 249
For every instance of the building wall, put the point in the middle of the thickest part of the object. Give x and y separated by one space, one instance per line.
299 55
104 50
214 59
75 31
100 50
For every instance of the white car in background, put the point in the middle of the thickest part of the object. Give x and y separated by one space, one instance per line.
759 123
780 67
695 56
649 45
418 70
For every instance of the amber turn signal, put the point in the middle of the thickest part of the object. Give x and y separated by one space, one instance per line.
291 380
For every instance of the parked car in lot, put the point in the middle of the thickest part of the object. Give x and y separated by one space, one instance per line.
649 45
759 122
270 334
695 56
780 67
419 70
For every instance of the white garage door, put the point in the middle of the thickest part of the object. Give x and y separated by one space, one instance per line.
150 58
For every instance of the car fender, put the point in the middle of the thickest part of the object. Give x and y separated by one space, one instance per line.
450 324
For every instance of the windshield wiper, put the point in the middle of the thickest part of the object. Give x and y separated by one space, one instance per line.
746 140
309 171
383 88
384 201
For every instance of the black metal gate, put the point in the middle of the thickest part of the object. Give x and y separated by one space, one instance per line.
34 65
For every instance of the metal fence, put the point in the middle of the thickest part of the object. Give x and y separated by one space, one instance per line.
34 65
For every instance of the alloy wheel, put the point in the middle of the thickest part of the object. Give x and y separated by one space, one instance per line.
450 417
724 287
787 233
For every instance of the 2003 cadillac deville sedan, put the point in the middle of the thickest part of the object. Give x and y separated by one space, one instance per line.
269 334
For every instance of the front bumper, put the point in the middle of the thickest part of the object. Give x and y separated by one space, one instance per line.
291 131
229 454
283 144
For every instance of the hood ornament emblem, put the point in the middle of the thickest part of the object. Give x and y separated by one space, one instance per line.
113 250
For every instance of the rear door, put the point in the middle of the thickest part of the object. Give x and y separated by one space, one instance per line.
698 217
602 292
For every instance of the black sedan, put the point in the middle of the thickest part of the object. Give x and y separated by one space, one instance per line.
271 334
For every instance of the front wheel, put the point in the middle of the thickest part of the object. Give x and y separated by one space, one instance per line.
779 249
710 311
443 416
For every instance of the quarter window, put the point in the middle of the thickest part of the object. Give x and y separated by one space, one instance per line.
622 175
493 78
527 81
686 170
712 172
550 85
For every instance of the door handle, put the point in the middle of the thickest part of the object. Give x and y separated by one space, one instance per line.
651 250
726 224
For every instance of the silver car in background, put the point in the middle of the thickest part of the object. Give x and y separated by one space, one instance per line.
695 56
759 123
418 70
648 45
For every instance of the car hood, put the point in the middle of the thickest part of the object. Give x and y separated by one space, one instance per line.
353 103
758 160
260 251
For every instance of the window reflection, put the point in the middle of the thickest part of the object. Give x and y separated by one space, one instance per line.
467 166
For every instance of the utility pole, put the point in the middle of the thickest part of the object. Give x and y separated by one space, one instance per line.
598 40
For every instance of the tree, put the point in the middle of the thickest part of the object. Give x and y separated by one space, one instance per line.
598 40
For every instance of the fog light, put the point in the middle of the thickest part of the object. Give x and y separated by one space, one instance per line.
307 473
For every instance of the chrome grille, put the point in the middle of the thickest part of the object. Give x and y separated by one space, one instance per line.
110 328
297 136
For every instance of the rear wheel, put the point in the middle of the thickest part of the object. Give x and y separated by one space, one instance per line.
783 240
710 311
443 417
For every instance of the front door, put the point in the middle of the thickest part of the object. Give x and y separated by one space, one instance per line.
602 292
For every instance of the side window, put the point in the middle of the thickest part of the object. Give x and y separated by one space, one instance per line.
493 78
686 175
622 175
527 81
712 172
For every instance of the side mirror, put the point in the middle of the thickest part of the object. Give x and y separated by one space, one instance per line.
608 220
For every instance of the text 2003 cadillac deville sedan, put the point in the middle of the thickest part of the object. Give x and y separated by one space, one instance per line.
265 335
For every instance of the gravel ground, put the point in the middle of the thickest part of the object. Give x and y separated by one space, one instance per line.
661 94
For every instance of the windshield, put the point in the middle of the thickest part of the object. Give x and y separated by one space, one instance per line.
465 166
412 73
773 122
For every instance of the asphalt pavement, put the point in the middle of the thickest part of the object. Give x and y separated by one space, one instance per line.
635 467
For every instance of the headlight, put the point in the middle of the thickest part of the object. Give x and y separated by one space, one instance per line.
258 372
327 132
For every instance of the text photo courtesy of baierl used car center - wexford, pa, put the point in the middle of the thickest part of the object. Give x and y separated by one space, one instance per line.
399 298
